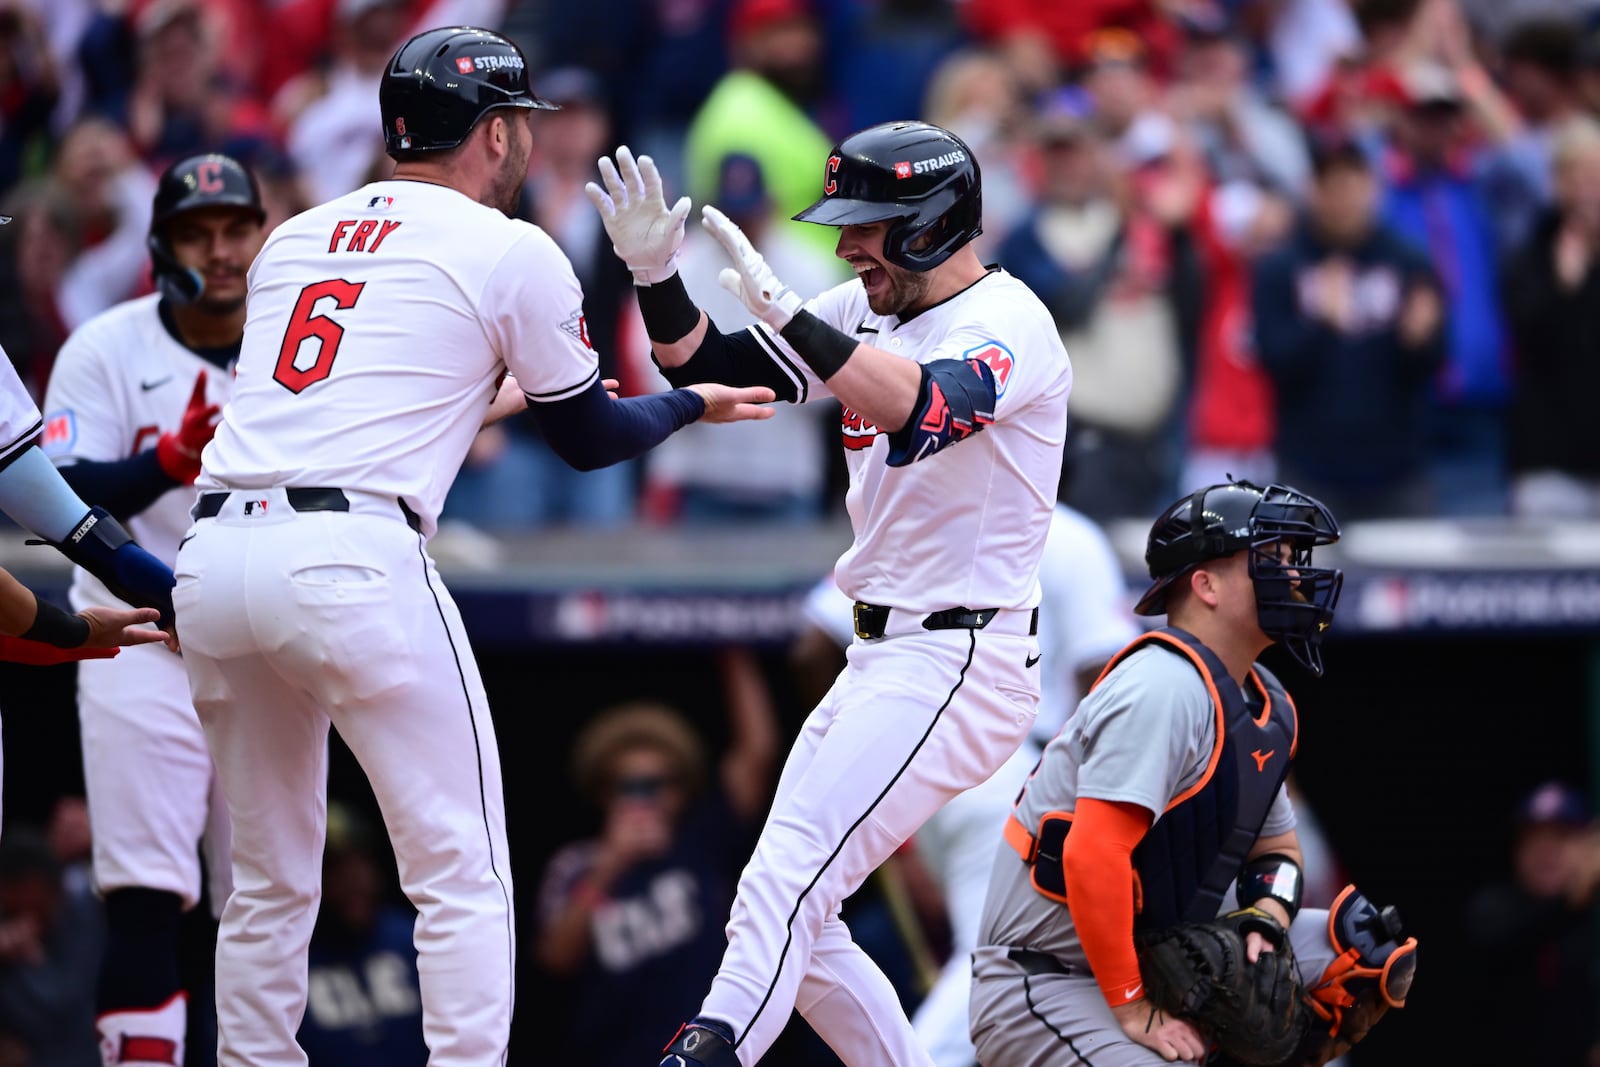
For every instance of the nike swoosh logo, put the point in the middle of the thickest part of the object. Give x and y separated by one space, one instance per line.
1130 994
864 328
158 383
1031 660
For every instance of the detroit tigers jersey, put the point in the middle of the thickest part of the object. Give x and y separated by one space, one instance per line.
1143 736
19 416
379 325
120 382
964 527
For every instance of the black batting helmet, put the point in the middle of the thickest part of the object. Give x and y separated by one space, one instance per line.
923 176
1294 600
210 180
442 81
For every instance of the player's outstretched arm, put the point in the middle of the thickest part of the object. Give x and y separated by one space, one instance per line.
37 632
881 386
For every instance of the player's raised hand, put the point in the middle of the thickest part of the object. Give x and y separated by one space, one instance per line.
178 451
644 233
750 279
728 403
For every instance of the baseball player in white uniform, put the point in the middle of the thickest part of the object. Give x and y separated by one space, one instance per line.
1084 619
379 325
134 397
33 494
954 384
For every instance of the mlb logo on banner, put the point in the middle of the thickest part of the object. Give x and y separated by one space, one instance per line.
902 170
464 64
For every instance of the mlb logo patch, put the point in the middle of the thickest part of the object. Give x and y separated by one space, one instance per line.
464 64
60 432
999 359
902 169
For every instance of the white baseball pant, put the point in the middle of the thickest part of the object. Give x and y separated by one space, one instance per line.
152 790
291 621
911 721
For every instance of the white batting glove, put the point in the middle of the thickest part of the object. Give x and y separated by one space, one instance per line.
644 234
750 279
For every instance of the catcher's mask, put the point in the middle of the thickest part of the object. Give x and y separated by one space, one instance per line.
1294 600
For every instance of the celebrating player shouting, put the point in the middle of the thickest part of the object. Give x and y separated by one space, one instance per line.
379 326
955 388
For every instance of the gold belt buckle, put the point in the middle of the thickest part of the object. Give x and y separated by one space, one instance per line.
856 620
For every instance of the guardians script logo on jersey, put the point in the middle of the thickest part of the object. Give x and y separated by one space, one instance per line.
858 433
999 359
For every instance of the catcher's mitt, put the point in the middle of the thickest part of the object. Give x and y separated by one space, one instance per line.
1255 1012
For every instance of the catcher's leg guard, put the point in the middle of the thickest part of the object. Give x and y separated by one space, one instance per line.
1370 974
701 1043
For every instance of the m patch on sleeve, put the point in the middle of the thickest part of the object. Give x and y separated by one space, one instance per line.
60 433
999 359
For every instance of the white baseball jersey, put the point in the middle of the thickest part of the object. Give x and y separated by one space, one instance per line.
920 543
338 388
1084 615
120 382
19 416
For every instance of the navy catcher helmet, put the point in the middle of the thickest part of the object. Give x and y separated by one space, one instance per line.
923 176
210 180
1294 600
442 81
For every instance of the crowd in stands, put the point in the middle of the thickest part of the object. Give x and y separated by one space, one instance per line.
1349 243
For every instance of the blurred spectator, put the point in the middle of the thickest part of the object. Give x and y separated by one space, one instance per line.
765 108
29 88
111 192
50 944
1241 135
38 246
1044 38
283 191
772 472
883 65
188 96
1552 299
634 917
1540 61
333 130
1534 939
977 97
71 843
1112 264
511 479
1307 40
1124 96
1232 412
364 1005
1437 200
1349 324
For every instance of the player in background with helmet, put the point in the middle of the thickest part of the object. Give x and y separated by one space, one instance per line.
133 398
1114 838
380 326
954 384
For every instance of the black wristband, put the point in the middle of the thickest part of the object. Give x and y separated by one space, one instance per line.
667 311
824 348
52 626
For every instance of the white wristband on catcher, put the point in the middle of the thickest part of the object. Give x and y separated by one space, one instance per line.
750 279
644 234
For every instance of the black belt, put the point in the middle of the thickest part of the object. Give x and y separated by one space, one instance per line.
870 620
210 504
1037 962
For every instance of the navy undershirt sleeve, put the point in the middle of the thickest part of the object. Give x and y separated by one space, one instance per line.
123 487
591 430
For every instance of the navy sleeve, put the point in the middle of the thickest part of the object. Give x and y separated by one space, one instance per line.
732 359
123 487
591 430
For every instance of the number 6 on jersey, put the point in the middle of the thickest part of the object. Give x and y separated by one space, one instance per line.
305 326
